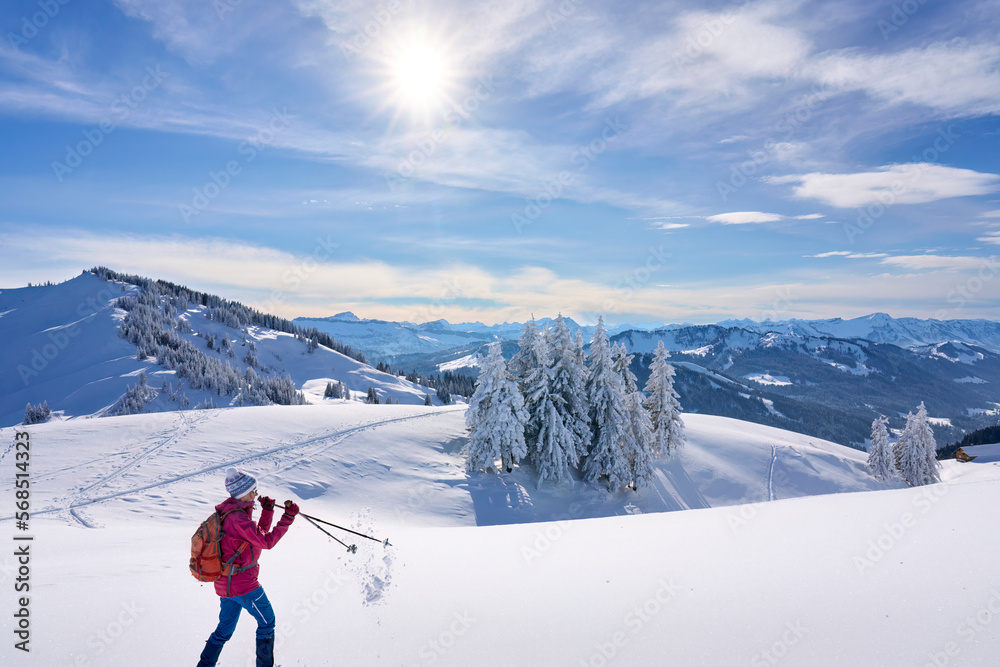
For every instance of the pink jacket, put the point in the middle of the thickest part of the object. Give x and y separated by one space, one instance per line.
239 527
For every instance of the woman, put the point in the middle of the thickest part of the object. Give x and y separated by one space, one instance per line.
241 543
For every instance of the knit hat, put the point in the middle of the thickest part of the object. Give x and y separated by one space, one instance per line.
238 483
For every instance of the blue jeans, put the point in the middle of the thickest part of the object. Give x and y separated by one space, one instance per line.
256 603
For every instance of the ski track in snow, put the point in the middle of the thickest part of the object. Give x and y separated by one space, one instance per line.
337 437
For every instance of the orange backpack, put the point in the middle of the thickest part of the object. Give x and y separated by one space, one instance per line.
206 551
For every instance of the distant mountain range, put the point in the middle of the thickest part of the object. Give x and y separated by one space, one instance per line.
383 340
828 378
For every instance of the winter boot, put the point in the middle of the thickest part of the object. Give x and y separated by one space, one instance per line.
265 652
210 655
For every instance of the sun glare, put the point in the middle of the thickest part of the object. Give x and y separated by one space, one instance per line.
420 77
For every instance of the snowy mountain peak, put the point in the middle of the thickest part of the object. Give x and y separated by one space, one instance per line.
346 316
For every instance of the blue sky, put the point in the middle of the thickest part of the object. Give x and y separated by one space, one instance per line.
652 162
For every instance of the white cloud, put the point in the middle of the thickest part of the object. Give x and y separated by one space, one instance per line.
937 262
809 216
744 217
990 214
990 237
850 255
892 184
955 78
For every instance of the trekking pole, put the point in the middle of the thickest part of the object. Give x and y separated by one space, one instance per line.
313 519
351 548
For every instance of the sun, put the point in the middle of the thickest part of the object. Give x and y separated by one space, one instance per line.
420 76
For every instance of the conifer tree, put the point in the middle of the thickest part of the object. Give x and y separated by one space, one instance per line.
664 406
638 441
880 458
569 383
495 417
606 392
915 451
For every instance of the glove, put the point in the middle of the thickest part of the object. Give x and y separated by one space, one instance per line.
291 509
267 503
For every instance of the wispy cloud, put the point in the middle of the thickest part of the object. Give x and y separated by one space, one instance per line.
850 255
936 262
744 217
892 184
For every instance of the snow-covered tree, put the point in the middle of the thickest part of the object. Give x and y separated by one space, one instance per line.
638 442
36 414
663 405
372 397
606 392
550 443
135 398
880 459
529 355
915 452
569 383
495 417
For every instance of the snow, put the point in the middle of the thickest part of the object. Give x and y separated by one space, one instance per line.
984 453
883 576
972 380
468 361
768 379
61 345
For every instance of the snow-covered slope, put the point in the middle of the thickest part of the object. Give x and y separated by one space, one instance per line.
60 344
894 576
881 328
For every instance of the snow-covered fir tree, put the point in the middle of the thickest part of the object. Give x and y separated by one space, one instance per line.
36 414
569 383
664 406
496 417
915 452
551 446
528 356
606 393
880 459
135 398
638 442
